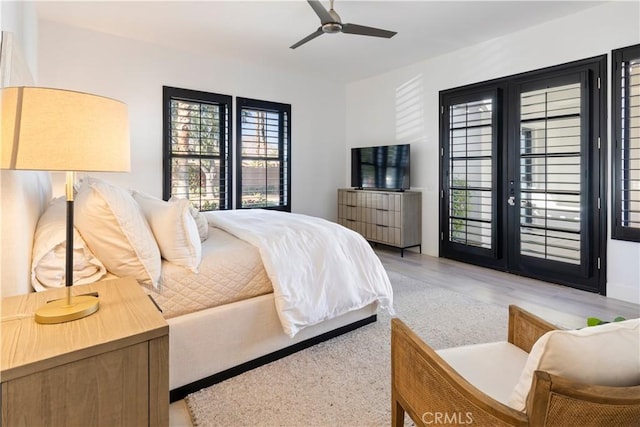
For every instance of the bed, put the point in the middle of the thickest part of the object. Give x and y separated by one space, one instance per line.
207 344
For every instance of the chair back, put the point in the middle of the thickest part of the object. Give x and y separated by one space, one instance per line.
557 401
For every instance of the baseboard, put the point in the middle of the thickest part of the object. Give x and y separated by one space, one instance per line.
181 392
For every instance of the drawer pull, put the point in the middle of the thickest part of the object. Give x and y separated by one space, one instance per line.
351 206
383 210
380 225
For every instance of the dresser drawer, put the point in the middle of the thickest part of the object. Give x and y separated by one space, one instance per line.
384 217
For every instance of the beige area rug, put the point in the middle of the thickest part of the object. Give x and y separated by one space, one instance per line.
346 381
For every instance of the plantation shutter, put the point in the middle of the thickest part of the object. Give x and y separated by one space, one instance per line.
626 127
196 148
550 173
263 154
471 178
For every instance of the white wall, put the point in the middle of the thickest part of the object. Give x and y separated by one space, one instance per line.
20 19
134 72
373 109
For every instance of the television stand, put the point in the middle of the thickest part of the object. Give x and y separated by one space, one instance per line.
390 218
389 190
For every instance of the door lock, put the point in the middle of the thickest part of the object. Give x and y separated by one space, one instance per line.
511 200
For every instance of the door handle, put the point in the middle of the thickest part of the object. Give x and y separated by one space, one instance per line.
511 200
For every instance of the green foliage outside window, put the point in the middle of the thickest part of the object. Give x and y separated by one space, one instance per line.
195 145
459 208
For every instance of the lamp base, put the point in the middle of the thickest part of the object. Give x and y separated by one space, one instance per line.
59 311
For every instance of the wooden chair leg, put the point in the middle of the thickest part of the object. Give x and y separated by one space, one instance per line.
397 414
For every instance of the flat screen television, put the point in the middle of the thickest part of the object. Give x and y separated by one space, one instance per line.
384 167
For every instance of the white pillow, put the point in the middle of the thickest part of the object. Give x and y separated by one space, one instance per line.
112 224
49 252
174 228
602 355
201 220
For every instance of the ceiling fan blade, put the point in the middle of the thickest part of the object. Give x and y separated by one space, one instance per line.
367 31
311 36
322 13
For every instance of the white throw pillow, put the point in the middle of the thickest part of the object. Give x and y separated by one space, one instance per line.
174 228
49 252
201 220
112 224
602 355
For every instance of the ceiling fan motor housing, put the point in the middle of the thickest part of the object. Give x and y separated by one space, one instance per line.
332 27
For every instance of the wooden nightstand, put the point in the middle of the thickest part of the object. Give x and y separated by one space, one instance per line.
111 368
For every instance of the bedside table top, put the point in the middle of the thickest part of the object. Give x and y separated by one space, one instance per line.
126 316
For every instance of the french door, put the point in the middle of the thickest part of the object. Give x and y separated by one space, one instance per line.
523 174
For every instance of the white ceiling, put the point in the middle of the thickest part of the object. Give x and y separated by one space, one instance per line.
262 31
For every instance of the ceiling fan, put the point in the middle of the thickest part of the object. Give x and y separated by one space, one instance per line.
331 23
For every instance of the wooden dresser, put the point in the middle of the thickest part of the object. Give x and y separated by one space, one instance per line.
111 368
390 218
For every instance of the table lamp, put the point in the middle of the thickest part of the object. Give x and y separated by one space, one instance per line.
60 130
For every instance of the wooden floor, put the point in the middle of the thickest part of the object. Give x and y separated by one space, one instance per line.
561 305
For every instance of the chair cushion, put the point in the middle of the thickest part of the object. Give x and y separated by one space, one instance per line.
493 368
601 355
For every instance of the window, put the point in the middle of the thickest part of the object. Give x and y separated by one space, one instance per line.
471 130
551 155
263 132
626 139
522 174
196 147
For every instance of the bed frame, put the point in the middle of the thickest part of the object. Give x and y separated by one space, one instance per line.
205 347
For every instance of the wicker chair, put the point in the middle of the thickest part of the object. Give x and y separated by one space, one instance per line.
424 383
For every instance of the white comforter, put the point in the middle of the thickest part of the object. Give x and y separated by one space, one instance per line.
318 269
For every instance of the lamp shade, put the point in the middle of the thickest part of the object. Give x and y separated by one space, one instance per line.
61 130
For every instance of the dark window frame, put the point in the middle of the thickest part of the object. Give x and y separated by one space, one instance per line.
619 59
225 102
448 248
596 73
284 149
